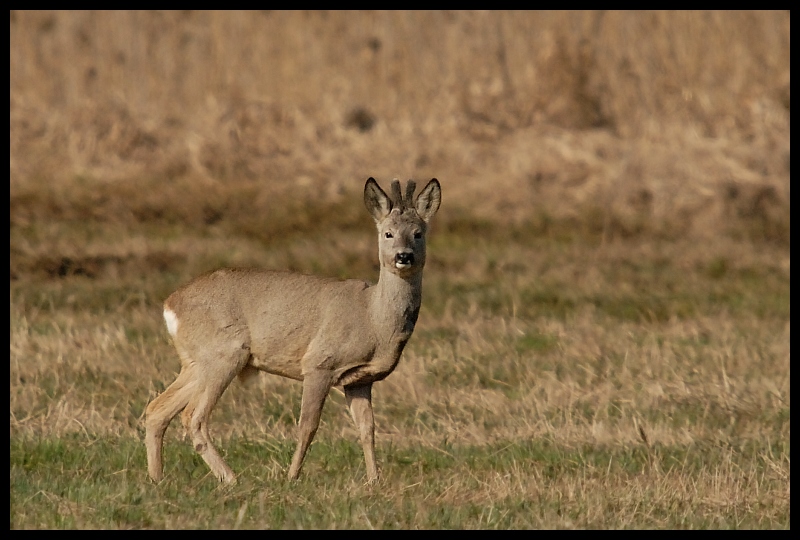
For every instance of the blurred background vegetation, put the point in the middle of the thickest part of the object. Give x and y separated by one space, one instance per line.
616 123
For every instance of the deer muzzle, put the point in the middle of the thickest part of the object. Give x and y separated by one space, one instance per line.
404 259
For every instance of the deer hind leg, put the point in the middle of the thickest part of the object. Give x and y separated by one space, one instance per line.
159 413
315 389
196 414
359 400
201 440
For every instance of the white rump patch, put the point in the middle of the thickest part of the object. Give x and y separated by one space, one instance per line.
172 321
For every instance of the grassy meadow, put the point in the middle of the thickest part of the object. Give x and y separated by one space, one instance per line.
604 334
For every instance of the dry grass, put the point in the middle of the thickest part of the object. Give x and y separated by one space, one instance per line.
597 404
604 340
677 122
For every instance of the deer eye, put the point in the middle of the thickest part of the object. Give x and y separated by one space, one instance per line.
388 235
417 235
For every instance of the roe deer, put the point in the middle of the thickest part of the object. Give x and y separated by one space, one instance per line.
323 332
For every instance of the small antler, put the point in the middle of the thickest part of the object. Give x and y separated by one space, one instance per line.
409 198
397 198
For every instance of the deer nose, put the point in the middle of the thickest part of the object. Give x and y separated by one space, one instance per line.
405 258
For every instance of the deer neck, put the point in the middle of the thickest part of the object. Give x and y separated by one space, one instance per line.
395 303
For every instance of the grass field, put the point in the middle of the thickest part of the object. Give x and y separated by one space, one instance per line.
605 328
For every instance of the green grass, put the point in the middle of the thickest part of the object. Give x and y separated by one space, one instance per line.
77 482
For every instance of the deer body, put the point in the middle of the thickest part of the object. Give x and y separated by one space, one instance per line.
323 332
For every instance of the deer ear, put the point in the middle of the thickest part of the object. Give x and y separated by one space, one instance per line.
428 200
377 202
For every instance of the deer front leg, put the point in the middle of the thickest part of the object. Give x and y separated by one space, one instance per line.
315 389
359 400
